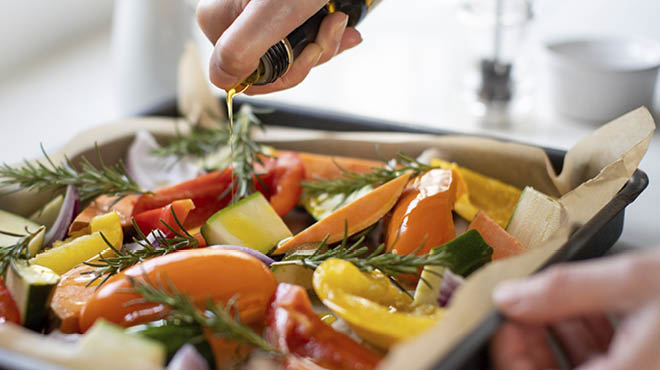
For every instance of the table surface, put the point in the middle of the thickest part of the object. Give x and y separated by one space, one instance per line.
410 68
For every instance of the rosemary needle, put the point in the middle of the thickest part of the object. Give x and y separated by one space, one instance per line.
91 181
18 250
352 182
215 317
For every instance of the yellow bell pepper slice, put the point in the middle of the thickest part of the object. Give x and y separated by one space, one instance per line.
71 253
371 305
496 198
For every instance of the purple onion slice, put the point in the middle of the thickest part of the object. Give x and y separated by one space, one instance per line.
450 282
260 256
65 217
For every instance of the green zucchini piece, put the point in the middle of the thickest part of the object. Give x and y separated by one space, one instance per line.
48 214
535 218
14 224
322 205
105 337
32 287
250 222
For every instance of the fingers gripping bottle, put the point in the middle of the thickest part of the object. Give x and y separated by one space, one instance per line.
279 58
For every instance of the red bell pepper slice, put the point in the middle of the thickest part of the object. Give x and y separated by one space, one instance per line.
205 191
8 308
279 182
285 187
149 221
294 328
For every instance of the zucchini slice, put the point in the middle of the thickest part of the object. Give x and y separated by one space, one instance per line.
32 287
250 222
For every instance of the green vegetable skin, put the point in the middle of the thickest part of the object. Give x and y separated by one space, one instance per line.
464 254
173 336
250 222
12 223
32 287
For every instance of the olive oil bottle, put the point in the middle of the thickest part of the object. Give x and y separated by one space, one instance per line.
279 58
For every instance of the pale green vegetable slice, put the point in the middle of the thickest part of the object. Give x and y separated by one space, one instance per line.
322 205
535 219
15 224
251 222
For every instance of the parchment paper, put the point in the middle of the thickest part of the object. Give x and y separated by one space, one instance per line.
595 169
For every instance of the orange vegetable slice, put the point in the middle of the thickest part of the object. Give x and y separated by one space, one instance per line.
70 296
504 245
319 166
358 215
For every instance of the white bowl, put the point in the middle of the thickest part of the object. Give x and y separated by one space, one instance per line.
600 79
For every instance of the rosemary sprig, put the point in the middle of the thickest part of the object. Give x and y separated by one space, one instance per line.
352 182
108 266
198 143
18 250
215 317
90 181
246 153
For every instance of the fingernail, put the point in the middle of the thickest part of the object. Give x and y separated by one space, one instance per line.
317 55
508 293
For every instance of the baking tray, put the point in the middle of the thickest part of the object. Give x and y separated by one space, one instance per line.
591 240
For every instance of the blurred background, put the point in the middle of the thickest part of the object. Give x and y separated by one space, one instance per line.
72 64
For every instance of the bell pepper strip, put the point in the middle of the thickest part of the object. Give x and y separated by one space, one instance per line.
149 221
496 198
279 181
205 191
422 218
8 308
285 187
357 215
372 306
218 274
295 329
325 167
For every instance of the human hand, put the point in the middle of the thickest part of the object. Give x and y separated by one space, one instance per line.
243 30
573 299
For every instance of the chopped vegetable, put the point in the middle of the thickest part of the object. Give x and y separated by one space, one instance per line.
260 256
422 217
161 218
8 310
31 286
66 214
371 305
47 214
73 291
295 329
536 218
195 272
251 222
64 257
14 224
504 245
464 254
492 196
358 215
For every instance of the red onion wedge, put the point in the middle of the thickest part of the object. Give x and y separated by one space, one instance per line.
187 358
260 256
67 213
151 171
450 282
